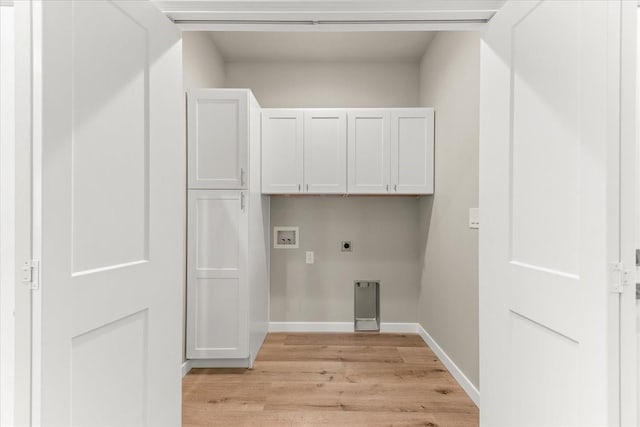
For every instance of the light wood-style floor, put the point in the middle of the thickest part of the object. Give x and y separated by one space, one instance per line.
360 379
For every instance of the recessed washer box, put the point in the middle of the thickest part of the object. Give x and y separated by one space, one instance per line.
286 237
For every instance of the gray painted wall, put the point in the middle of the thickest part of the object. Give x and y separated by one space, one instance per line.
328 84
385 247
383 229
202 64
448 304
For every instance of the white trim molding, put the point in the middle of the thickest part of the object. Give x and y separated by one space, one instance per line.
186 367
338 327
310 326
322 15
471 390
189 364
399 328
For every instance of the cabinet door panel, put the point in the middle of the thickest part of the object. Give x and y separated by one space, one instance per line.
368 151
217 296
325 152
217 138
412 151
282 150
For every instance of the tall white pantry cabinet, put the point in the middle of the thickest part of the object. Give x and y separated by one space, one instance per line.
227 229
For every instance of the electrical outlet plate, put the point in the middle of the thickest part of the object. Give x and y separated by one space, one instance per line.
286 237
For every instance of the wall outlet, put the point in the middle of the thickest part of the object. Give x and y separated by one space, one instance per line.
310 257
474 218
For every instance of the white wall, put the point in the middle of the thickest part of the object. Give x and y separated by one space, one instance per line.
328 84
202 63
385 244
7 216
448 304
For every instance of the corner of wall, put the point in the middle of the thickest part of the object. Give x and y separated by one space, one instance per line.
203 64
448 300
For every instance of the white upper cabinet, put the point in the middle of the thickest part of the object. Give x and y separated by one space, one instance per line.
369 151
325 151
282 151
348 151
412 150
217 132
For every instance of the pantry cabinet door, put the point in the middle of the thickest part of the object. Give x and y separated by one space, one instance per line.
325 151
412 155
217 138
369 152
282 151
217 291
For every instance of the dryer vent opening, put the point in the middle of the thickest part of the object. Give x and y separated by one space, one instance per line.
367 306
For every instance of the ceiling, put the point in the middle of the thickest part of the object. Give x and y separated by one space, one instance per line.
406 46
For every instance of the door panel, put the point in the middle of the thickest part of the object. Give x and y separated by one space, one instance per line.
218 138
217 287
110 215
325 152
120 382
216 315
412 151
369 151
107 126
549 198
282 151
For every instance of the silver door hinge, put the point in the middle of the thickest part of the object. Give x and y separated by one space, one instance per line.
620 277
31 273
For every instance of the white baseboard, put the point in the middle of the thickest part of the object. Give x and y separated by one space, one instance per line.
310 326
338 327
458 375
399 328
186 367
220 363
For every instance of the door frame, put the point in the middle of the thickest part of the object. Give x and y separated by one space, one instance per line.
26 185
7 212
629 209
22 207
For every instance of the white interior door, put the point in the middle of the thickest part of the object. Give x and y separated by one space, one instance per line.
109 203
550 151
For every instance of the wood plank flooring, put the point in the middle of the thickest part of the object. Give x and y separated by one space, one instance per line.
359 379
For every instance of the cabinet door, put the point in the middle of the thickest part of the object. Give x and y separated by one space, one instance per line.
368 151
412 151
217 138
325 151
282 151
217 296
